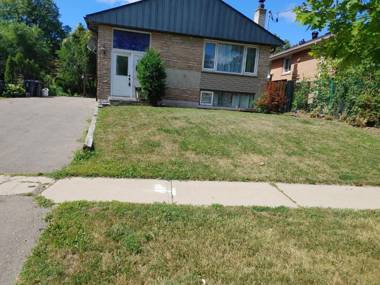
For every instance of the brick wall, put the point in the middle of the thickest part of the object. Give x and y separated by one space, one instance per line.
304 67
179 52
104 62
183 57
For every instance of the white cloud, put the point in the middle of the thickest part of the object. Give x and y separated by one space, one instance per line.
289 16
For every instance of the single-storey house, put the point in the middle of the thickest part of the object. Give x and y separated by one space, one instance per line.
214 55
296 63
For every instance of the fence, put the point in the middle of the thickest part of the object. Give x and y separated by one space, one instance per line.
280 95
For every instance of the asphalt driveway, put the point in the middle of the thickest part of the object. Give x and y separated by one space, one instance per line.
40 135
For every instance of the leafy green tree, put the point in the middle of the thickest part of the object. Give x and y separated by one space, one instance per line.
77 64
354 24
41 13
151 74
27 46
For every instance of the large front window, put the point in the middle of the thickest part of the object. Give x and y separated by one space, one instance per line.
131 40
230 58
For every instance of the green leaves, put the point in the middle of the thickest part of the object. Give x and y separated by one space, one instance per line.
76 64
355 25
151 74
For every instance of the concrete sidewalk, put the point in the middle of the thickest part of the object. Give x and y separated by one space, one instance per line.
195 192
208 193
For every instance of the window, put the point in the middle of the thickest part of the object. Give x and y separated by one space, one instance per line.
206 98
227 99
130 40
209 61
230 58
287 65
250 65
122 65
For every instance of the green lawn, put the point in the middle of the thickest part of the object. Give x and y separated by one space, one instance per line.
172 143
115 243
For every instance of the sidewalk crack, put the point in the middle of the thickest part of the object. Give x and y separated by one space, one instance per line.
171 192
286 195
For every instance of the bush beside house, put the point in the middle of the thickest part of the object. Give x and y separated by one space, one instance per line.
151 75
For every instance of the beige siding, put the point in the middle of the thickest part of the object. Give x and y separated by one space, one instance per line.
304 67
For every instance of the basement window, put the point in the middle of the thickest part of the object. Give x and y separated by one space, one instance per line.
206 98
221 99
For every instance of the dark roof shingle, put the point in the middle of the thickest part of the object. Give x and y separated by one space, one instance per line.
212 19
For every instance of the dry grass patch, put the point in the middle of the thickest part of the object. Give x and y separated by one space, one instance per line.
116 243
171 143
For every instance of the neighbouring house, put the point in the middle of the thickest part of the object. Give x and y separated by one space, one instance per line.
214 56
296 63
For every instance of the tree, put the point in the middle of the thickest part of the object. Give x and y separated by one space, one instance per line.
354 24
76 63
27 49
285 46
41 13
151 74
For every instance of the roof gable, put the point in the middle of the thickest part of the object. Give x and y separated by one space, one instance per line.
212 19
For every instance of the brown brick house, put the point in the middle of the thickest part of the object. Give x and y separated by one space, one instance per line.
296 63
214 55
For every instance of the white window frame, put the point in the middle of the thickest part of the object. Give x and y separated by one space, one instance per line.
242 72
284 71
208 93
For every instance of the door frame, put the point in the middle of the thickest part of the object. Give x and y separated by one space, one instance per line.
132 54
114 54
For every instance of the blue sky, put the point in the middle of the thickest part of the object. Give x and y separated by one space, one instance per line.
73 11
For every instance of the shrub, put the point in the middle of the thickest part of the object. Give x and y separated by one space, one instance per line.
151 74
352 94
14 90
301 96
274 99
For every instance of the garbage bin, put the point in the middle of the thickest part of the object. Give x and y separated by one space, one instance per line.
32 88
45 92
2 86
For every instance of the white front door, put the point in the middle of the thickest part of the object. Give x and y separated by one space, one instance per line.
122 75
